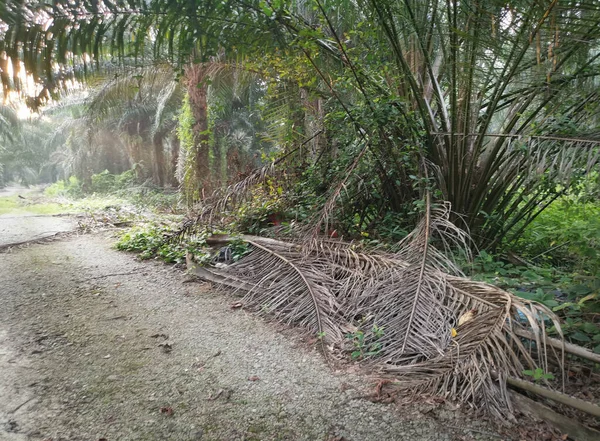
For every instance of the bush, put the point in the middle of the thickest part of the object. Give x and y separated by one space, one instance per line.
70 187
107 182
149 242
565 235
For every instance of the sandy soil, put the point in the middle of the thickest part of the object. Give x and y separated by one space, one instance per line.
95 345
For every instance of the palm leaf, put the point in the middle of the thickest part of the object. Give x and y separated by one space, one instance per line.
291 289
413 301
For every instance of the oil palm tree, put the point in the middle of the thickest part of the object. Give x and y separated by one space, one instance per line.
9 128
471 88
124 122
142 105
483 90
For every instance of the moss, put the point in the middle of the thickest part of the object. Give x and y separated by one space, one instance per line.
185 133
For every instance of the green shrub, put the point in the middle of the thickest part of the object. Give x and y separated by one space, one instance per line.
107 182
253 215
70 187
103 183
566 235
149 242
126 179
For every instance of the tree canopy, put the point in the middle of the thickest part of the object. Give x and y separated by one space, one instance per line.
493 105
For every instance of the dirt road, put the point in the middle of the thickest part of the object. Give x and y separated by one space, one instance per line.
95 345
16 227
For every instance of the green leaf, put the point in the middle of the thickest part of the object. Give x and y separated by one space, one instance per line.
580 336
550 303
581 289
526 295
590 328
597 349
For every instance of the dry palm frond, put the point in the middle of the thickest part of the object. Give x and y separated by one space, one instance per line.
408 300
435 332
212 209
290 288
485 351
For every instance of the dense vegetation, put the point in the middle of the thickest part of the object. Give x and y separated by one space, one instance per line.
355 110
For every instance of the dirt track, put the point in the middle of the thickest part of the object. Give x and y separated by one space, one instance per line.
93 344
18 227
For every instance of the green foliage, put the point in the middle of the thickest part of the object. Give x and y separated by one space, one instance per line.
25 155
265 202
187 150
239 248
107 182
70 187
573 297
538 375
392 86
149 242
565 235
101 183
110 189
366 344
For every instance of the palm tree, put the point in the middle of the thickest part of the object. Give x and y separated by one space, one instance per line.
467 88
24 154
225 130
9 129
127 121
476 87
142 105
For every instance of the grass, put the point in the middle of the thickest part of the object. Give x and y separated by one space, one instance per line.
14 205
36 204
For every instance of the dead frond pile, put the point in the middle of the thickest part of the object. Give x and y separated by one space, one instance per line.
411 315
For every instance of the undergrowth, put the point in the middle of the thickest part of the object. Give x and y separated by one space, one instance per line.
150 241
573 296
121 188
556 263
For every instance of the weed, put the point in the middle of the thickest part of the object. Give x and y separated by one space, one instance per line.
70 187
366 344
239 249
150 242
538 375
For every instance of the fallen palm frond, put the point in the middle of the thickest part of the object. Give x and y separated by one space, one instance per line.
290 288
403 314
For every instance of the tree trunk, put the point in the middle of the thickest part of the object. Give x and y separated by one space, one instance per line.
158 168
314 128
172 173
197 87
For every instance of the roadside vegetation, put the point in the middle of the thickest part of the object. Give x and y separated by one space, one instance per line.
456 137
